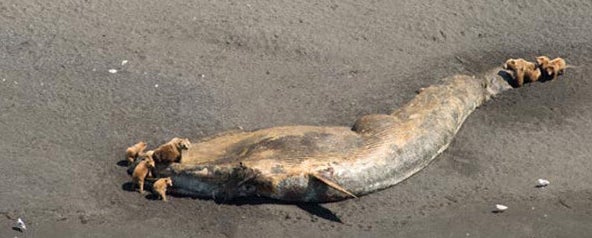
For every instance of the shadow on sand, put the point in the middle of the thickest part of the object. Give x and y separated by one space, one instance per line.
122 163
314 209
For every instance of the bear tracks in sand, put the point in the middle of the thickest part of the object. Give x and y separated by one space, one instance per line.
323 164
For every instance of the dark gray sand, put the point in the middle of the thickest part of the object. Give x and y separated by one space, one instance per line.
65 120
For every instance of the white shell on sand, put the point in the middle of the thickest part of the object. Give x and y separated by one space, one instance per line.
542 182
21 224
500 208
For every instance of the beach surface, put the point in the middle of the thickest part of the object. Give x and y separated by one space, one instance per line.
82 80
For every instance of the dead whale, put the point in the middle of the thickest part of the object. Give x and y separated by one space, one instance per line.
324 164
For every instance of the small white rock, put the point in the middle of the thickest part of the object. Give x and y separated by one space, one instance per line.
15 82
113 71
21 224
500 207
94 69
542 182
202 76
3 80
123 62
156 85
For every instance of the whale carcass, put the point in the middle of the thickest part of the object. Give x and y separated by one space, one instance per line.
324 164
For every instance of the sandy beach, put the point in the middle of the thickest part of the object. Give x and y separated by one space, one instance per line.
69 106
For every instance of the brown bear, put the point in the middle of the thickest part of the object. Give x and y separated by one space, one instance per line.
551 68
522 69
146 154
171 151
134 151
160 187
542 61
142 170
141 156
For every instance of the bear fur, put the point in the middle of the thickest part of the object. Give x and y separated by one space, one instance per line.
542 61
142 170
551 68
141 156
523 69
134 151
160 186
171 151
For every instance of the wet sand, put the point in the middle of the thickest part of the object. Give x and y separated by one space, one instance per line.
65 120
